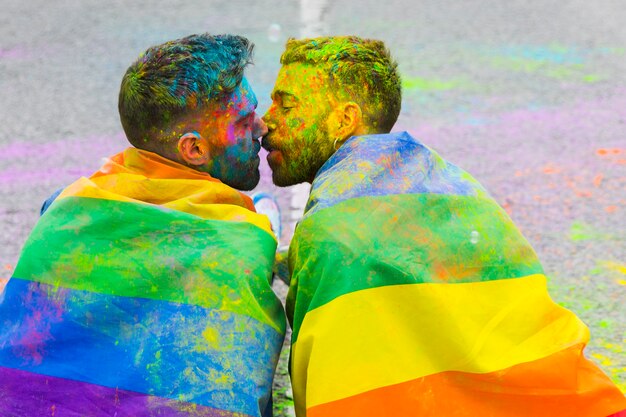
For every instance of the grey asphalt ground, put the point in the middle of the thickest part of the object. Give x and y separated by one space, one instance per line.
529 96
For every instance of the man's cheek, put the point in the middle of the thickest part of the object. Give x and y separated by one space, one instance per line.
231 137
295 124
292 150
301 158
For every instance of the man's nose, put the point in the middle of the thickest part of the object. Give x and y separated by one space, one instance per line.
267 118
260 128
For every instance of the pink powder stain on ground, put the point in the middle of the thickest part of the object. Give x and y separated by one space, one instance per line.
14 177
526 134
95 144
62 160
523 156
14 53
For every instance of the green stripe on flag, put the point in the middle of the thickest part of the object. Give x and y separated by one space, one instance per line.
370 242
139 250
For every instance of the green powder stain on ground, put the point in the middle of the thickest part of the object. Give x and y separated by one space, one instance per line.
559 71
424 84
580 231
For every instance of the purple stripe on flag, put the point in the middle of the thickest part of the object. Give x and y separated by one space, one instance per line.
26 394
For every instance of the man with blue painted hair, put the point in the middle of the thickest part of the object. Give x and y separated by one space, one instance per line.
188 101
144 289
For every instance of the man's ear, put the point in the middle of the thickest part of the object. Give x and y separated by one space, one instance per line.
193 149
347 121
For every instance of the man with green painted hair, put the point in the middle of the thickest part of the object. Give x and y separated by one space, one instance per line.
412 292
316 99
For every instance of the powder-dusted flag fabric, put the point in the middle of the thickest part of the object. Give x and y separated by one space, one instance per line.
413 294
142 291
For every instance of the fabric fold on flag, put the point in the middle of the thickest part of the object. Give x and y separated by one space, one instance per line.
143 290
413 293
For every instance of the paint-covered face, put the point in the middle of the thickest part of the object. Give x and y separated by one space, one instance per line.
234 129
297 140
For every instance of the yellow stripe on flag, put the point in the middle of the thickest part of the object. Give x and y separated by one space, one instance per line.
186 195
387 335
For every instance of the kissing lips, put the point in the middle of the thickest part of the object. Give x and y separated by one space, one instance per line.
265 143
274 156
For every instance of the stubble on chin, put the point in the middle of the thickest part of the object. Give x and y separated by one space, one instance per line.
251 183
300 164
296 175
279 179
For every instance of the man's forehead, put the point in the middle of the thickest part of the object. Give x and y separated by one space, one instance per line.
242 100
297 75
244 94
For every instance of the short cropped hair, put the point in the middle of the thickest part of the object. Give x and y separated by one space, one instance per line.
360 69
171 79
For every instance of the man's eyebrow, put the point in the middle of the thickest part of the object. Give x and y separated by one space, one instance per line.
282 93
244 113
249 108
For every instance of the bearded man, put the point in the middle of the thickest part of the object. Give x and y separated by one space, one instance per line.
144 290
412 292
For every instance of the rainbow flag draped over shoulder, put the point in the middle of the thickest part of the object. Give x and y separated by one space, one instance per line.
142 291
413 294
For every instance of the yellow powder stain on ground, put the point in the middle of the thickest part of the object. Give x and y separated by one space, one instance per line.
615 373
614 266
602 359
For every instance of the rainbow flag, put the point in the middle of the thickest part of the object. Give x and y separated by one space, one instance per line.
144 290
413 294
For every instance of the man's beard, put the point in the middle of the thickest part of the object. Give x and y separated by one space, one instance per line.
250 182
294 170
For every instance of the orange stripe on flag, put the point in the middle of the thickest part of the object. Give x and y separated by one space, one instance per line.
562 384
